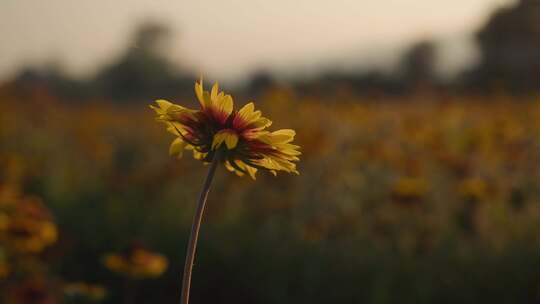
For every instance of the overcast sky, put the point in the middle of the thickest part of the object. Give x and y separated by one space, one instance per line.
228 39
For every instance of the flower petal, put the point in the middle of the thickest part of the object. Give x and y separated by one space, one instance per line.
177 147
228 136
246 117
215 91
202 95
282 136
231 140
225 105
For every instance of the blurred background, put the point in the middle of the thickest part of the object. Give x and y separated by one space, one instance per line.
419 122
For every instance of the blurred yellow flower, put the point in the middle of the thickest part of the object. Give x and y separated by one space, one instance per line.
473 188
29 236
240 136
26 226
409 188
137 263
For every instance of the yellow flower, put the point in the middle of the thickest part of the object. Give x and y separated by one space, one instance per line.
137 263
473 188
408 189
239 135
27 226
29 236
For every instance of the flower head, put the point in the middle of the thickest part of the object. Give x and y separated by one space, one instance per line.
26 225
239 135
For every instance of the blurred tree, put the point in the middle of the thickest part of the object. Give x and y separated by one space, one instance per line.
51 78
418 64
259 81
143 71
510 47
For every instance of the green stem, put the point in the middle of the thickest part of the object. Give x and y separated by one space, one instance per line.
195 227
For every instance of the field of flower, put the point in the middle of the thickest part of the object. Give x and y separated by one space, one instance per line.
423 199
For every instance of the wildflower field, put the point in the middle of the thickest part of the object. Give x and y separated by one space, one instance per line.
420 199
